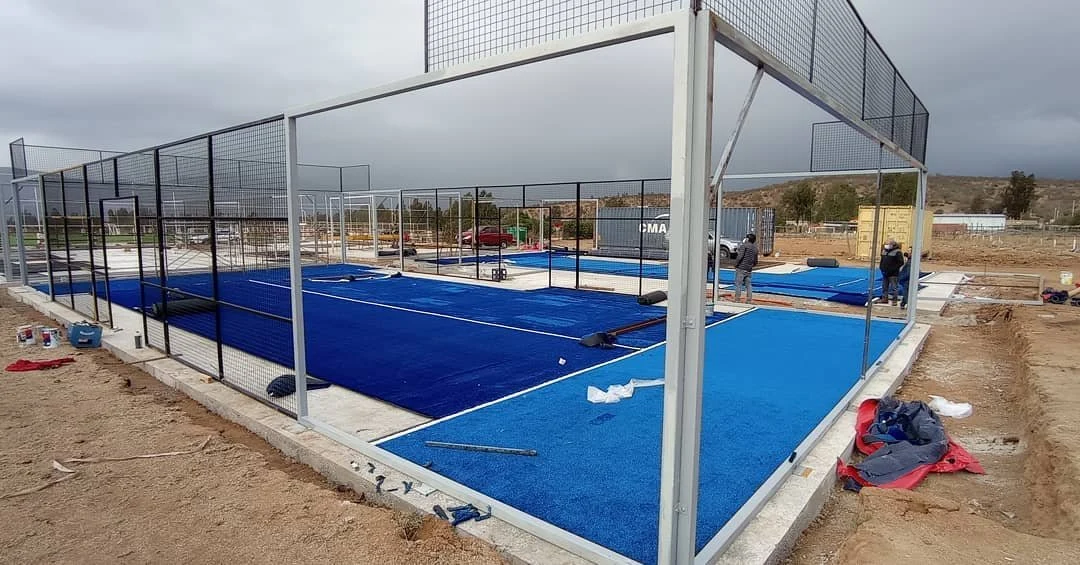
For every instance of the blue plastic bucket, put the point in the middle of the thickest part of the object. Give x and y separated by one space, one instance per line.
85 335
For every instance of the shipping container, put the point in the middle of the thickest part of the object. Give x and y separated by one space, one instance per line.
632 231
894 222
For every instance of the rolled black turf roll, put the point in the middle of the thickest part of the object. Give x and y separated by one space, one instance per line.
182 306
822 262
653 297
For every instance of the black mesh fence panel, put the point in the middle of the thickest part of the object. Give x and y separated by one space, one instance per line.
56 244
17 152
823 41
836 146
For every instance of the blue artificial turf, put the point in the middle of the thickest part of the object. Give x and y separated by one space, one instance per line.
430 364
771 376
847 285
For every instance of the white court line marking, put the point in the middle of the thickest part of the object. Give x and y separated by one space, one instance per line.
437 315
542 385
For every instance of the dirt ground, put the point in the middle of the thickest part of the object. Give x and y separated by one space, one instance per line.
1004 253
235 501
1017 367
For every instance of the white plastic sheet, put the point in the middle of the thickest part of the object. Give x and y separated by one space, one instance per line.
615 393
946 407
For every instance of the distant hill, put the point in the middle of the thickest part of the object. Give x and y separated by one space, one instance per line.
944 193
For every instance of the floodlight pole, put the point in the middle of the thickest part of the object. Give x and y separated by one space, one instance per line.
870 276
916 249
684 357
296 279
717 187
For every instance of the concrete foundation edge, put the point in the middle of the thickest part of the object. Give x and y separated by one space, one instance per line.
772 534
327 457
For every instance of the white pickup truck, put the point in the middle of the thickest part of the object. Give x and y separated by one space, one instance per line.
727 246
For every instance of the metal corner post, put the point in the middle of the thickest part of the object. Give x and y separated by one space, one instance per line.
296 274
401 230
717 185
163 280
24 273
870 269
90 242
215 287
916 248
684 358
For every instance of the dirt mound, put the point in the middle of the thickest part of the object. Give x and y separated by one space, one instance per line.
909 527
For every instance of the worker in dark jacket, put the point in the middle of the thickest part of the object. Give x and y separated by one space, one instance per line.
905 281
746 258
892 260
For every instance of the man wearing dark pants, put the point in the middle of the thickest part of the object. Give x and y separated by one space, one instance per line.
746 258
905 281
892 260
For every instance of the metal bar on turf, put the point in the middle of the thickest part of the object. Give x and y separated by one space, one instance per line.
484 448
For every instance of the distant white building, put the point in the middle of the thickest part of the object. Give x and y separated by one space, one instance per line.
972 222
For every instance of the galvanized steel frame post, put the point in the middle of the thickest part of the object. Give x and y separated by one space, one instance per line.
916 249
870 269
215 287
163 280
20 234
684 355
296 274
624 33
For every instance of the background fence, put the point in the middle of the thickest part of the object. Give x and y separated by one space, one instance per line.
188 242
610 235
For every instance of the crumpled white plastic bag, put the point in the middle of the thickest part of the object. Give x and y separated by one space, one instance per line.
616 393
945 407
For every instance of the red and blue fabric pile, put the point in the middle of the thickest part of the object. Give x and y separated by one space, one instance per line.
904 442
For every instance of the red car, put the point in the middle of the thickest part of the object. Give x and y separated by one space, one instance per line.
488 236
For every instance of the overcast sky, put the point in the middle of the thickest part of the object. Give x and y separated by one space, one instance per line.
998 77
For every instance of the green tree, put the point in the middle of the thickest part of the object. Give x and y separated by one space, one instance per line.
977 205
839 202
1019 195
899 189
798 201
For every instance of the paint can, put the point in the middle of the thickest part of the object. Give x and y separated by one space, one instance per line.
138 340
50 338
1066 278
24 335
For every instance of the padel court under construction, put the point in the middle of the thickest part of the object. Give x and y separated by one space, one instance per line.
660 443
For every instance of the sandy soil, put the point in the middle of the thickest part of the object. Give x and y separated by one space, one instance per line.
1017 367
236 501
1006 253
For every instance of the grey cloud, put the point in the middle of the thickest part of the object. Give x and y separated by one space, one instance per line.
997 77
